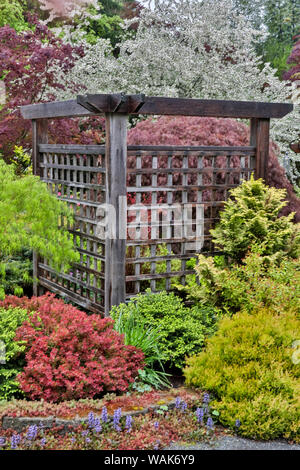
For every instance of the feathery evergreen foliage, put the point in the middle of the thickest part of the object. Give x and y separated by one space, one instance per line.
251 216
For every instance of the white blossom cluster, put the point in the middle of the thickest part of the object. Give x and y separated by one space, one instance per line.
195 49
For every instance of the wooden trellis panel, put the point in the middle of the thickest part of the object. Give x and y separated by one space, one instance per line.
164 185
76 175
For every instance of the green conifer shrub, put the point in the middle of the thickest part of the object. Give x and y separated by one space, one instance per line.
251 216
251 367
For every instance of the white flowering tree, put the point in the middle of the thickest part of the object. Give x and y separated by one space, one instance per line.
191 48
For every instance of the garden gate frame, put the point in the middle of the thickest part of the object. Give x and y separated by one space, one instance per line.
100 280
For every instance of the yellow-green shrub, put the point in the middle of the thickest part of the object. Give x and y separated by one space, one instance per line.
253 373
259 282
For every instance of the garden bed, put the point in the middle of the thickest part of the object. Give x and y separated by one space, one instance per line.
153 420
19 414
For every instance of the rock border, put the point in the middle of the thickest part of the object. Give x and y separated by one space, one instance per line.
20 423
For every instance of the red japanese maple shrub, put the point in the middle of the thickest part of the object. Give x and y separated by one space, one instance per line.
72 355
32 64
185 130
293 73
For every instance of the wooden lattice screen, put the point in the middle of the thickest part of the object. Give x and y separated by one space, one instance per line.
165 200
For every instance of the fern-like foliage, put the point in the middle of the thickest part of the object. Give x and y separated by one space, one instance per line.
29 219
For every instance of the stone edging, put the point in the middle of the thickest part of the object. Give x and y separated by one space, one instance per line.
19 423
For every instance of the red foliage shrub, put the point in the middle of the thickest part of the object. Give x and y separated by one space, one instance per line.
72 355
294 59
184 130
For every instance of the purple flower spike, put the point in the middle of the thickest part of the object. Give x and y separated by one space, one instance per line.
97 425
104 415
206 398
32 432
128 423
156 424
15 441
200 415
43 442
116 419
210 423
237 423
2 441
91 420
183 406
177 402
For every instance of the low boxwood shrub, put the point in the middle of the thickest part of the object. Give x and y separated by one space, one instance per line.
72 355
183 330
251 367
12 353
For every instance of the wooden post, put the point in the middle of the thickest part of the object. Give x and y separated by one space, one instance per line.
39 136
116 190
259 137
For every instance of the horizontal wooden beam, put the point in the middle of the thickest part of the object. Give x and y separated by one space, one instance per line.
89 105
214 108
54 109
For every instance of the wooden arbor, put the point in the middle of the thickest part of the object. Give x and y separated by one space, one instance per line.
90 178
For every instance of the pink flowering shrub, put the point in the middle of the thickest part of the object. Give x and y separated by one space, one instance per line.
185 130
72 355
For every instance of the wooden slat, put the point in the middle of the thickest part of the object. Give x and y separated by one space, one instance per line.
73 149
133 149
176 149
182 170
71 296
165 240
154 277
45 267
71 167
